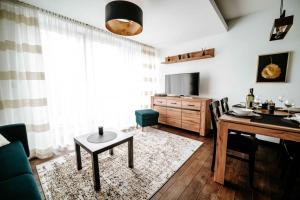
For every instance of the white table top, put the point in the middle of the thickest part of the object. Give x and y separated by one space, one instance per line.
93 147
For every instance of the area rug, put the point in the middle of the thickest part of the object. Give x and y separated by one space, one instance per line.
157 156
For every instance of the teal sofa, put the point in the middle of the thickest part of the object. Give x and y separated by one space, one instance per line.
16 178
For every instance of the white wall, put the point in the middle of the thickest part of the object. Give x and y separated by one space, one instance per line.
233 69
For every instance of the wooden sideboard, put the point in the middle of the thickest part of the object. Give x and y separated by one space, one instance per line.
183 112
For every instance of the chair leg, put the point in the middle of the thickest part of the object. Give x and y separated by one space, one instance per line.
142 129
213 159
251 168
137 125
291 174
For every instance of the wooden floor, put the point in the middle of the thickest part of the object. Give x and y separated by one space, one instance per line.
194 180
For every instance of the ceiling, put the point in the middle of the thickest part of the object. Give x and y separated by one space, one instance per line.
166 22
231 9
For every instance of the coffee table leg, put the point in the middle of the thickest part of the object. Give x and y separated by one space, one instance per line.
130 153
96 175
78 156
111 151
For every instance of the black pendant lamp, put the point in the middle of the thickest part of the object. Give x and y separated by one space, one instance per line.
123 18
281 25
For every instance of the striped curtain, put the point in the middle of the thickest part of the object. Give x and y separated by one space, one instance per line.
150 70
22 77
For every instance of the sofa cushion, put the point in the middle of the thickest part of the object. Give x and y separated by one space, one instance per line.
13 161
3 140
20 187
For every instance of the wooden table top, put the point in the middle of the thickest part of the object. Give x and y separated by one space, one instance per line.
247 121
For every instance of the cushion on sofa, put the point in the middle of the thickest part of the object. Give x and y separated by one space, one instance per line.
3 140
13 161
20 187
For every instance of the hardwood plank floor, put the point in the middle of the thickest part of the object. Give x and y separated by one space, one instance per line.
194 180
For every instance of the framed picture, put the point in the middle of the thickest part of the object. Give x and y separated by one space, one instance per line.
272 67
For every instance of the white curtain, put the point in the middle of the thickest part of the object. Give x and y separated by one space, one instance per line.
23 98
64 79
93 78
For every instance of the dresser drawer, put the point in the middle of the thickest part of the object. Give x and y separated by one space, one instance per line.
190 116
174 113
191 126
162 110
174 103
162 120
174 122
160 101
193 105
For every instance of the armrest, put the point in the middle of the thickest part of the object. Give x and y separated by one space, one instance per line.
16 132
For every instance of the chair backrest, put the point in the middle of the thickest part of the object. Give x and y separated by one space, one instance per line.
224 105
215 115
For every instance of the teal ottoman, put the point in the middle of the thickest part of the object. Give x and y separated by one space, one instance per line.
146 117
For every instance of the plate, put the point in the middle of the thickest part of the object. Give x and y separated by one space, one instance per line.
252 114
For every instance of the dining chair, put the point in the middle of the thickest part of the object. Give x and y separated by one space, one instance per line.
290 166
236 142
225 109
224 105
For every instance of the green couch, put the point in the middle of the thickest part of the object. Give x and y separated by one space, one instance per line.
16 178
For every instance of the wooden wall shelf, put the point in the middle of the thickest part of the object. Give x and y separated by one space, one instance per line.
196 55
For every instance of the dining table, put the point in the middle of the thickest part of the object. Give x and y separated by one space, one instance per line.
229 123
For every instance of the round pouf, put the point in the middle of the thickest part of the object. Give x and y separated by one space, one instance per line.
105 137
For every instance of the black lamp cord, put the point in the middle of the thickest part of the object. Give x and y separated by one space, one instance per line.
282 12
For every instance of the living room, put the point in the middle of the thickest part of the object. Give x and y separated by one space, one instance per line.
149 99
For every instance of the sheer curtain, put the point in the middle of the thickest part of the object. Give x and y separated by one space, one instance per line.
22 78
93 78
64 79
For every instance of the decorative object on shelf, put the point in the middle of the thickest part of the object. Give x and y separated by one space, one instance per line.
101 136
204 53
123 18
281 25
272 67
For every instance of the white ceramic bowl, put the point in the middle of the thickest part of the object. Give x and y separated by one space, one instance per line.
242 111
297 115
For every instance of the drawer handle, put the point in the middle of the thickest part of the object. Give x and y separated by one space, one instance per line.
173 103
190 105
159 101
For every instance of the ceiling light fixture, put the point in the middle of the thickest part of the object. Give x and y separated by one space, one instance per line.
123 18
281 25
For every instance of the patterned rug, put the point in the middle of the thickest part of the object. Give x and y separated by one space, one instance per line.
157 156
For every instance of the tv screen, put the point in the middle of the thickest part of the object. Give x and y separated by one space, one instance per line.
186 84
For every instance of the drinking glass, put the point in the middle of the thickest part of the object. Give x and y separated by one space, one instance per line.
289 104
281 100
257 101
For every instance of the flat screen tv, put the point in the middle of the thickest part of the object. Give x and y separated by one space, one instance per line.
186 84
